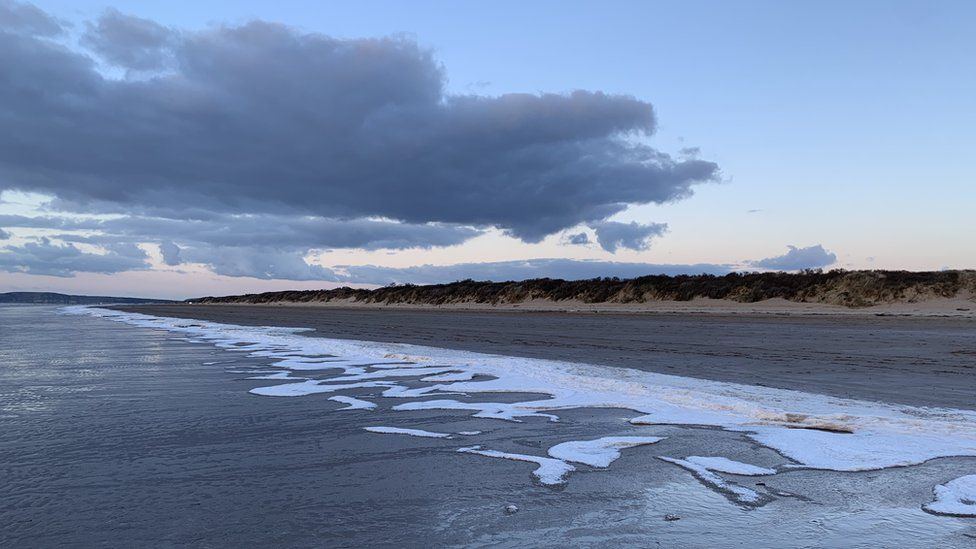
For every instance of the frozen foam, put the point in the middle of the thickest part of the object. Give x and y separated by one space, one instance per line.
550 471
409 432
738 494
956 497
600 452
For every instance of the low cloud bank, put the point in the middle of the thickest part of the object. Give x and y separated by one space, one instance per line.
63 260
568 269
796 259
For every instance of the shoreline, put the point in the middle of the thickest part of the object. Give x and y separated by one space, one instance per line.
957 307
919 361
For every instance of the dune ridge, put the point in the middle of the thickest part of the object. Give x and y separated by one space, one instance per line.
850 289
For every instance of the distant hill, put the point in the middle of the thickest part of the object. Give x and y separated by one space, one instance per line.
50 298
838 287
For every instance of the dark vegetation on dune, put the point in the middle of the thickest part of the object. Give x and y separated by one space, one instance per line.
838 287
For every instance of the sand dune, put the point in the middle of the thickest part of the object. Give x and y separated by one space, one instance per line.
945 293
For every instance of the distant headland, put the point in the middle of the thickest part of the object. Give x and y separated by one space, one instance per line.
51 298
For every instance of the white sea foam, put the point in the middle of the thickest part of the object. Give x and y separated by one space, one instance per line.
956 497
393 372
491 410
550 471
311 387
354 403
876 443
597 453
738 494
815 431
726 465
409 432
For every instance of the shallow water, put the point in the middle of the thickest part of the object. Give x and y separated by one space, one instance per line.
121 436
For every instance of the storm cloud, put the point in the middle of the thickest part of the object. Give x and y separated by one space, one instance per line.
246 148
812 257
264 119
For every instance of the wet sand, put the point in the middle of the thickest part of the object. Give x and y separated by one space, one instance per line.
920 361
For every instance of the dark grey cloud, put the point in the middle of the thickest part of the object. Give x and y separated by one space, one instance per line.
292 232
245 147
4 235
264 119
170 253
16 17
129 42
578 239
568 269
612 235
47 258
812 257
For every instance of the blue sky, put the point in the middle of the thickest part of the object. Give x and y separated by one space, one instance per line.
846 125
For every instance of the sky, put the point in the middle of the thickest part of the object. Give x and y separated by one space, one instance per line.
178 149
